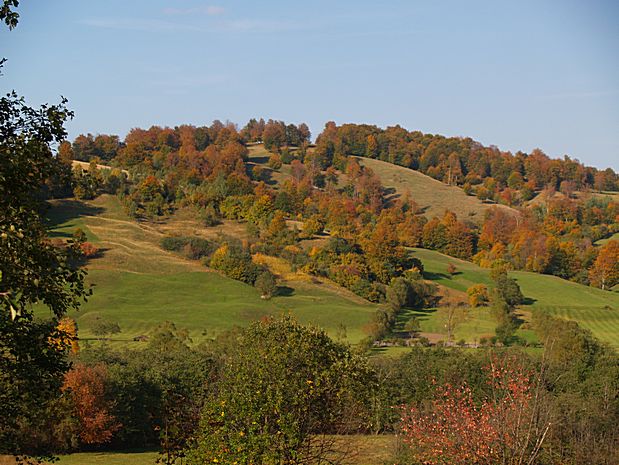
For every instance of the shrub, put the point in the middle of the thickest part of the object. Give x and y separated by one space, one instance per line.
478 295
266 284
235 262
193 248
275 162
89 250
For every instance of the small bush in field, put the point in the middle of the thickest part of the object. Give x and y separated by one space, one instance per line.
89 250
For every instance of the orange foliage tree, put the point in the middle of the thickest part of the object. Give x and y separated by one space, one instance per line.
605 271
508 426
85 387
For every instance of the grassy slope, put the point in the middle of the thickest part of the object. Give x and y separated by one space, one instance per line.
592 308
140 285
614 237
433 196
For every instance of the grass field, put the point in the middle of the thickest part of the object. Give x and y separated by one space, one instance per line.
614 237
592 308
139 285
364 450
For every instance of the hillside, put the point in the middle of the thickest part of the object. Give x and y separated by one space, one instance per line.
592 308
139 285
434 197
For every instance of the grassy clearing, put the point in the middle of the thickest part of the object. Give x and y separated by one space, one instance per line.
258 155
592 308
364 450
139 285
433 196
614 237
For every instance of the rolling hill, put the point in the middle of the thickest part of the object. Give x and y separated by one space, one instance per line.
434 197
592 308
139 285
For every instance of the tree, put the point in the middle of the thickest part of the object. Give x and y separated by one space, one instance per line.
478 295
605 270
266 284
508 289
284 390
86 386
509 426
397 293
451 269
103 327
32 269
451 316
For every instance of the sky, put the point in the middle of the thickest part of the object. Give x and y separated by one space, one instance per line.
516 74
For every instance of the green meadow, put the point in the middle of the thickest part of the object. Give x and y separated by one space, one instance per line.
592 308
139 285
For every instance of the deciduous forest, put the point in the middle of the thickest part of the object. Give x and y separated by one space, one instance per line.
371 295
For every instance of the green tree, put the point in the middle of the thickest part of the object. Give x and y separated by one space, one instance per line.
266 284
283 388
32 270
397 293
508 289
103 327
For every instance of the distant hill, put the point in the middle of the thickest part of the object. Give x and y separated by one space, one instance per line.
434 197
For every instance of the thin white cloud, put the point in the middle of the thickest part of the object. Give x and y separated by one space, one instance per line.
256 25
134 24
210 10
223 26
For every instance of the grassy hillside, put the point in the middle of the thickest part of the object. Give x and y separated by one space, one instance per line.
139 285
592 308
614 237
433 196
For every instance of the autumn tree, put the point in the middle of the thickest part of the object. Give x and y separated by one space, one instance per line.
605 270
478 295
86 387
508 426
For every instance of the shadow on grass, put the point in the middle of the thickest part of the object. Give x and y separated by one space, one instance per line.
407 313
67 210
434 276
259 160
284 291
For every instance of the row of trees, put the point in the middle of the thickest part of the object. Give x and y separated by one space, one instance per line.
277 391
458 161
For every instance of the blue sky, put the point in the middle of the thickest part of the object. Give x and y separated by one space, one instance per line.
517 74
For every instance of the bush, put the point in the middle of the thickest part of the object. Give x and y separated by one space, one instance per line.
266 284
275 162
89 250
193 248
236 263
